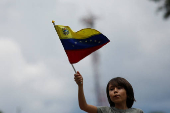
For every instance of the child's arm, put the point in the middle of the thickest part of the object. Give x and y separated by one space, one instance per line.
82 101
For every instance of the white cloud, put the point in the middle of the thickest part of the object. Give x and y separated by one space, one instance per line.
29 86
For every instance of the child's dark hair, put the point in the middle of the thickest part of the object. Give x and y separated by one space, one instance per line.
118 81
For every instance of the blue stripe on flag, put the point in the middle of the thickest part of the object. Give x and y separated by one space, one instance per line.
73 44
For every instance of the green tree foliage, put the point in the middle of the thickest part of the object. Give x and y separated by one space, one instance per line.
165 6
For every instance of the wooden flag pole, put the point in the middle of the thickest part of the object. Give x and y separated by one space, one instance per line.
71 64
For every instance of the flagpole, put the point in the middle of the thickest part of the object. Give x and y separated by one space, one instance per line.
74 68
71 64
53 22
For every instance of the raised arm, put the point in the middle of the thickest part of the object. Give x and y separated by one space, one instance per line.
81 98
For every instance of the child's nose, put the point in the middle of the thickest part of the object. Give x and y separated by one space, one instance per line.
115 89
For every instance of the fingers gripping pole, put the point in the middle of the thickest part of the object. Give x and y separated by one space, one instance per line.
75 71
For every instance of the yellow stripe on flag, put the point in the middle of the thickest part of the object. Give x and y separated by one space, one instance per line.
65 32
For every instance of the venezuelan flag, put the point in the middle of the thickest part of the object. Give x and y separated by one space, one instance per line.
80 44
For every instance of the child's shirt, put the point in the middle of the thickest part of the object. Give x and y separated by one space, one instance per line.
115 110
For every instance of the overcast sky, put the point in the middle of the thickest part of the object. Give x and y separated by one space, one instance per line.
36 77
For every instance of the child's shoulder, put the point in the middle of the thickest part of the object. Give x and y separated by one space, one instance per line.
105 109
136 110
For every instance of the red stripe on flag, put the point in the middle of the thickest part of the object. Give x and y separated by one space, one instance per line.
75 56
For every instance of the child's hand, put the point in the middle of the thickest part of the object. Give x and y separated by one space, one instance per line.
78 78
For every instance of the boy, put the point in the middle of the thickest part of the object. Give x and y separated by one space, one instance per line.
119 93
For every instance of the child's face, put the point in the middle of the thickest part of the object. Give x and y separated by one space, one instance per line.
117 94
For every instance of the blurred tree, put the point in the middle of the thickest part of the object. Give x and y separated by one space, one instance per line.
165 6
1 111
